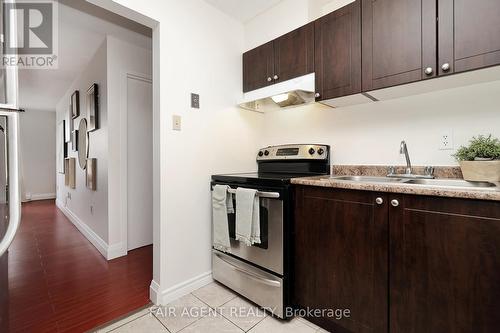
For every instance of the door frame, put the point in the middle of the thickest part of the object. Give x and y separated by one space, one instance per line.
124 153
158 273
13 167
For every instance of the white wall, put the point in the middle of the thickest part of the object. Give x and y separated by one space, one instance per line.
82 199
38 155
286 16
276 21
370 133
200 51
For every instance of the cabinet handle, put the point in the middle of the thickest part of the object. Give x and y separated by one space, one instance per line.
445 67
269 79
317 95
276 77
379 201
394 202
428 71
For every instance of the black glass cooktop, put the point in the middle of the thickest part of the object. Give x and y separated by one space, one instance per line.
268 178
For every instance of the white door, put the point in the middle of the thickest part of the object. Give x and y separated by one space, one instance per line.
139 162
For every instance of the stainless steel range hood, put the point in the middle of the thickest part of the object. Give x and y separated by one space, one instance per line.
294 92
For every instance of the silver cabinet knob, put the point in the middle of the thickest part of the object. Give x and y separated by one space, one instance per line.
394 202
379 201
317 95
428 71
276 77
269 79
445 67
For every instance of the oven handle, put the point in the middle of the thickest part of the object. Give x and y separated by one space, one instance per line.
250 274
270 195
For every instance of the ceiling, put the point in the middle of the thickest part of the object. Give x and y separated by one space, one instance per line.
243 10
82 29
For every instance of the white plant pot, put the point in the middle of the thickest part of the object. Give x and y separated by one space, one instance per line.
481 171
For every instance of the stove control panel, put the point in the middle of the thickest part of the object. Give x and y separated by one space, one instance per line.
294 152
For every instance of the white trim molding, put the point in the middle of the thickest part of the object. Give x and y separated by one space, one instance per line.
39 196
163 297
124 76
107 251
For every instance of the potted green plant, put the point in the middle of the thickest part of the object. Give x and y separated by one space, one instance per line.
480 160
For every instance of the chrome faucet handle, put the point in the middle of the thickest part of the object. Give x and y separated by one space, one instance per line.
391 170
429 171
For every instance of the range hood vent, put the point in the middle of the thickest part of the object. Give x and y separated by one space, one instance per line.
294 92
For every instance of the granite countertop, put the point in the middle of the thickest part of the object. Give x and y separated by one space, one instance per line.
432 190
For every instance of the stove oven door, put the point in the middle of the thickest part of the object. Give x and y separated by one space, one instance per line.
268 254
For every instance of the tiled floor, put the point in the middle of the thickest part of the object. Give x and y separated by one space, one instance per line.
59 282
210 309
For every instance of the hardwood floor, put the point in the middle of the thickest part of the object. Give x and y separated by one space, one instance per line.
58 282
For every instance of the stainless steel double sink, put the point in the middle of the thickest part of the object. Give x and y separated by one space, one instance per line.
453 183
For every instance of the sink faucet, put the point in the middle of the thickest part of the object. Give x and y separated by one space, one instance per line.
391 171
403 149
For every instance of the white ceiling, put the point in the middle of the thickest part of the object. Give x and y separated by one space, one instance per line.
243 10
82 29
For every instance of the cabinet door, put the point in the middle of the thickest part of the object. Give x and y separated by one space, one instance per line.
294 54
468 34
444 265
399 41
340 257
258 67
338 52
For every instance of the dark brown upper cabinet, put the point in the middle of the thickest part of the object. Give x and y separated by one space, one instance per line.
373 44
294 53
469 35
338 52
399 42
282 59
258 67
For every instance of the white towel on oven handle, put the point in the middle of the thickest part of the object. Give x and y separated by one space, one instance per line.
255 237
219 218
247 216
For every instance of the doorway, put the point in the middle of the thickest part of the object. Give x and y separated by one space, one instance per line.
79 269
139 161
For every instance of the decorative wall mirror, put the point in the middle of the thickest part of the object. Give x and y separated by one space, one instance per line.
75 104
83 144
93 107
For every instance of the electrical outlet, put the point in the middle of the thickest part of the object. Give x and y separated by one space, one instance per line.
446 141
69 195
91 209
176 122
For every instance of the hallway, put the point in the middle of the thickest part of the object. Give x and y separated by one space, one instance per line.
58 282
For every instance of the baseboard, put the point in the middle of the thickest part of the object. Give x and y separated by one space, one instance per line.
116 251
154 292
93 238
169 295
40 196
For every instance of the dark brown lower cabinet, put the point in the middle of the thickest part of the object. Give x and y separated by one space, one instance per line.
444 265
416 264
341 258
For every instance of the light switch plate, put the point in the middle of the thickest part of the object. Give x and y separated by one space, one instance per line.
195 101
176 122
